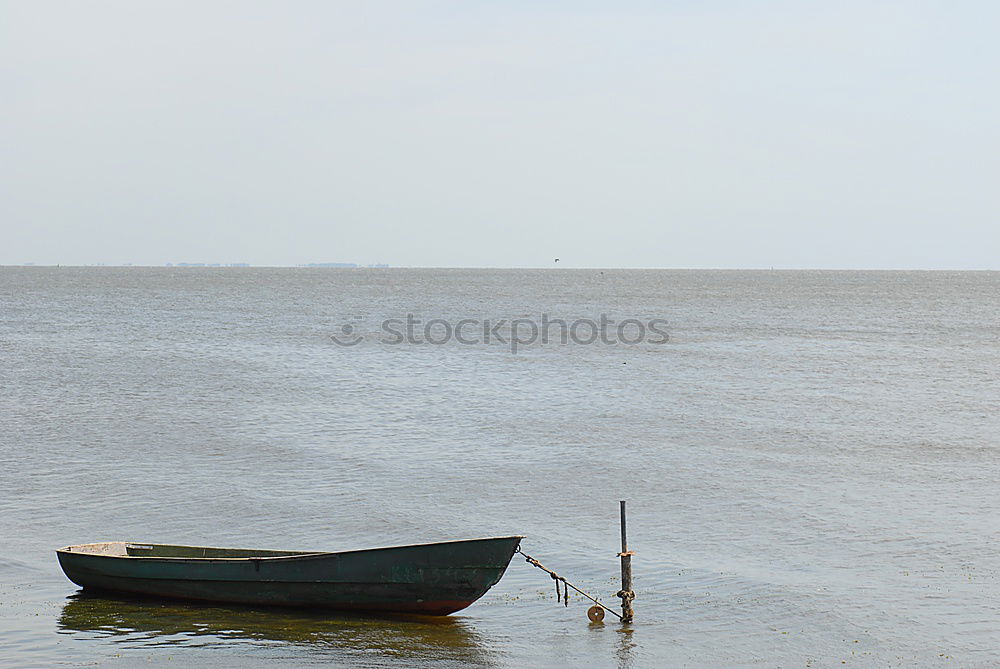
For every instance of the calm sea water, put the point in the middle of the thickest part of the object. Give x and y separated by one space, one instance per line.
812 460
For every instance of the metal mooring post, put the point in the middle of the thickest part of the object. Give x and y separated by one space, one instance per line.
626 593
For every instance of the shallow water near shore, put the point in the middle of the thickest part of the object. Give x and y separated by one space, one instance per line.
811 460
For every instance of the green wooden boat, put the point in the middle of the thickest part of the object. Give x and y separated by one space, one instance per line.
432 579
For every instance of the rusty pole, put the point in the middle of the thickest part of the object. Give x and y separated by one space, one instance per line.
626 593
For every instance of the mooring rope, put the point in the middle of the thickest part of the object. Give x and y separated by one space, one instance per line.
566 584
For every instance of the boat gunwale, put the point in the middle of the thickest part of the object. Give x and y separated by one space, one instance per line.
308 555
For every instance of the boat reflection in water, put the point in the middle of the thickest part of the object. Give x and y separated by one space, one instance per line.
138 623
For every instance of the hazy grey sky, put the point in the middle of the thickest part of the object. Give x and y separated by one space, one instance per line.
643 134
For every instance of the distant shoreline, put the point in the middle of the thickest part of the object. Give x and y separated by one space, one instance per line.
353 266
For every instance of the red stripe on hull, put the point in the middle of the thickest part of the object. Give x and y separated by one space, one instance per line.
440 607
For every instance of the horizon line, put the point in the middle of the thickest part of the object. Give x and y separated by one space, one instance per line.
384 266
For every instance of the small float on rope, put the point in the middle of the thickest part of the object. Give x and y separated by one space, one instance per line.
596 612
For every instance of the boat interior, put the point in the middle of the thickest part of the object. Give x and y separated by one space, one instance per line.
134 549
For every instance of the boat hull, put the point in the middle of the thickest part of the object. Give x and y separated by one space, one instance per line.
432 579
